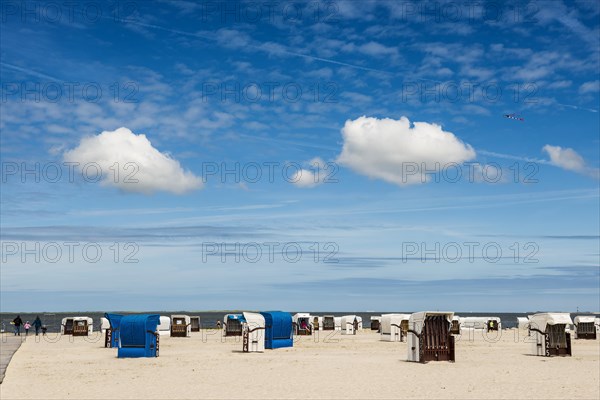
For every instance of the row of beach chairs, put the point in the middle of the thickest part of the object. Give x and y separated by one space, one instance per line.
430 335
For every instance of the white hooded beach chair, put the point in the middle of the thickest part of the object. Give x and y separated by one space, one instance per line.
585 327
164 327
181 326
349 324
394 327
430 337
253 333
551 337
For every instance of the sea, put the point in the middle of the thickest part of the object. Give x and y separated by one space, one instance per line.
208 319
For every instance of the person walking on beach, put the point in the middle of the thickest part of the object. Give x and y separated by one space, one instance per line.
37 324
18 322
27 326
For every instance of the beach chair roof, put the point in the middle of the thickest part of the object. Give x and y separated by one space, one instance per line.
394 318
417 319
114 320
584 319
254 320
88 319
541 320
301 315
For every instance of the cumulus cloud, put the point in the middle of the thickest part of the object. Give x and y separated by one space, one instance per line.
130 162
314 174
569 159
398 152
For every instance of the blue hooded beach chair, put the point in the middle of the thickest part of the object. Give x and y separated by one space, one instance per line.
138 336
278 329
111 337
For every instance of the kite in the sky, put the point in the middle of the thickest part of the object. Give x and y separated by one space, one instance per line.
514 116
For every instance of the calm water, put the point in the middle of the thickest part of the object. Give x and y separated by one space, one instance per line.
209 319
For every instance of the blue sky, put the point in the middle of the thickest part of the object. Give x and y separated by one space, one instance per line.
350 106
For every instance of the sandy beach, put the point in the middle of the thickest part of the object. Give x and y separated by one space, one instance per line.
330 366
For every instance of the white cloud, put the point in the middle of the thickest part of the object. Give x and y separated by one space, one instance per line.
569 159
309 178
559 84
590 87
377 50
141 167
397 152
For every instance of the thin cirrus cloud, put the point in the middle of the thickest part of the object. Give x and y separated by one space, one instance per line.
570 160
398 152
130 162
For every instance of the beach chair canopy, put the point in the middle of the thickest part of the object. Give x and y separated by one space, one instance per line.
417 320
114 320
278 329
254 320
584 319
387 320
541 320
299 316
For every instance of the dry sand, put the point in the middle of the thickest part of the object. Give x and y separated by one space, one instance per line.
349 367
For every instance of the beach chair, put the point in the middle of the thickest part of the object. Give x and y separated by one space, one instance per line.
82 326
195 324
337 323
455 329
66 326
429 337
522 322
585 327
375 323
348 326
302 324
138 336
181 326
392 327
253 336
328 322
232 324
164 327
551 334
